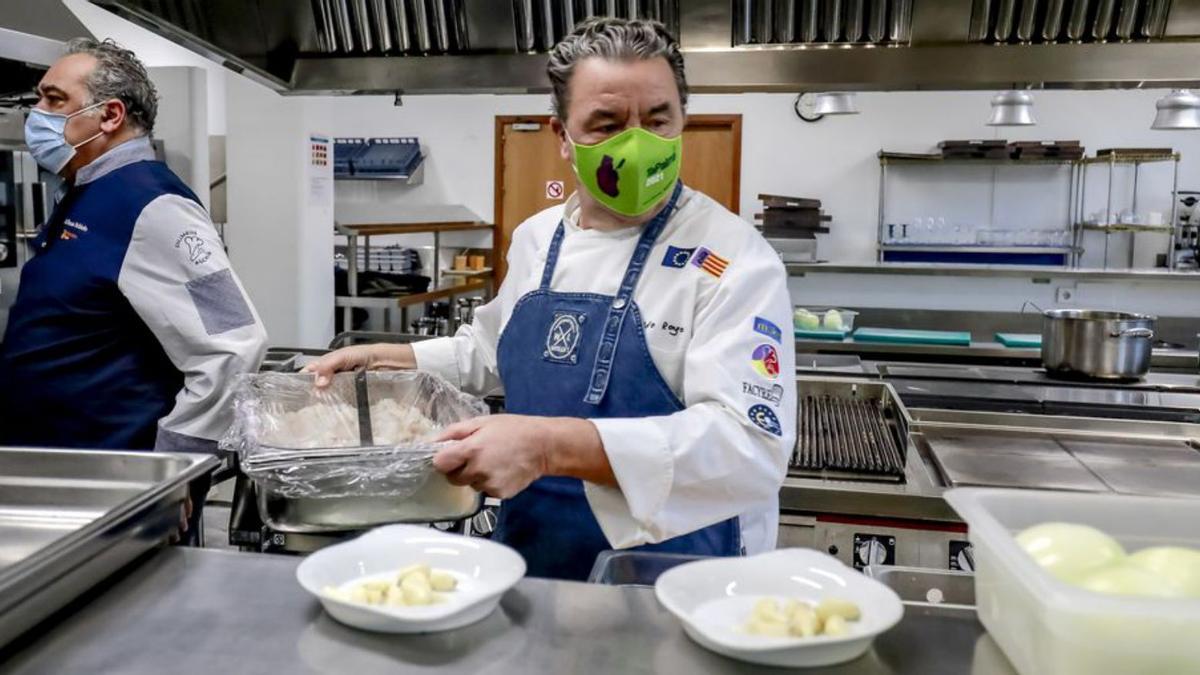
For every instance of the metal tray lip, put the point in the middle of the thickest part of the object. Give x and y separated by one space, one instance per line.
198 464
308 528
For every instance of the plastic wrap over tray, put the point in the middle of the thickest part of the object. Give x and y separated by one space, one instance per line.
297 441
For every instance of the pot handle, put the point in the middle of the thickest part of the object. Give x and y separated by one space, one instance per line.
1132 333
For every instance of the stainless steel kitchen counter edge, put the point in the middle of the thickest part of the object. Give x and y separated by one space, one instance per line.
202 611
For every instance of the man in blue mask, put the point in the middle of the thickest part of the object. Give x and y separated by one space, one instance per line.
129 323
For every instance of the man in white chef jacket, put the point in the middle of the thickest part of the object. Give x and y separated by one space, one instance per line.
641 339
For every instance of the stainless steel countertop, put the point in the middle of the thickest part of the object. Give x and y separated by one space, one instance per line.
1023 271
201 611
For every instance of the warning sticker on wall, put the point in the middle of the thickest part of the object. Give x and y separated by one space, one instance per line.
555 189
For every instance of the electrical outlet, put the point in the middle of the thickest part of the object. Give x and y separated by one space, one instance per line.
1064 295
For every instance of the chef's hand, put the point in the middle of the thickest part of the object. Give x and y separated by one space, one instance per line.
370 357
500 455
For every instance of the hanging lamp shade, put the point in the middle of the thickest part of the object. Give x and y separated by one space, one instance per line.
1012 109
1179 109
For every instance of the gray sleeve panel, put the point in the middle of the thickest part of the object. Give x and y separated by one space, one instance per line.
220 302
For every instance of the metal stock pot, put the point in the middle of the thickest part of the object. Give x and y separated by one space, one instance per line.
1103 345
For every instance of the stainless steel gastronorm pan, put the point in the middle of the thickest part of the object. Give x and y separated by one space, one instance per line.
69 518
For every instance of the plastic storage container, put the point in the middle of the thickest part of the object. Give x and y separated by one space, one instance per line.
1047 626
847 315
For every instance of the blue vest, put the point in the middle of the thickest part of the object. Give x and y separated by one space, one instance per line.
584 355
78 367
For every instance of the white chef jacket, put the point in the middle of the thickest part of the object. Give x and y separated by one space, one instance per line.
711 461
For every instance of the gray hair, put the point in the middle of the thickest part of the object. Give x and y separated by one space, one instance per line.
614 40
119 74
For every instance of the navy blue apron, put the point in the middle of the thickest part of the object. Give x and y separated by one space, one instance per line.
584 355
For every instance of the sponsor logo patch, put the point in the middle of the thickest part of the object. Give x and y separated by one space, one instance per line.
766 361
771 393
677 257
764 418
74 225
562 340
764 327
710 262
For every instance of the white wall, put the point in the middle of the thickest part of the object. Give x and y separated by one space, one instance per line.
182 124
833 160
280 240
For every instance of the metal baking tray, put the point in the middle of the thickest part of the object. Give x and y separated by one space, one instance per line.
70 518
437 501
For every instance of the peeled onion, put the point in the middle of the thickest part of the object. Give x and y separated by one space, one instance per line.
1178 565
1069 551
1126 579
833 320
806 320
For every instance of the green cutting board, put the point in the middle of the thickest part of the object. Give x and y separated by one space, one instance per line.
818 334
913 337
1020 340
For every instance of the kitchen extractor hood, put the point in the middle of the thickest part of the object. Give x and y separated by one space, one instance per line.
450 46
32 36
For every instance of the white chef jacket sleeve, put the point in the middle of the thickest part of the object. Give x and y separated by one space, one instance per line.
711 461
177 278
468 358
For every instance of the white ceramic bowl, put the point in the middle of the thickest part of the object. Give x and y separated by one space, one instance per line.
484 569
714 599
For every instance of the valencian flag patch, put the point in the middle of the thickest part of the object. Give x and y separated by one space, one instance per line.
710 262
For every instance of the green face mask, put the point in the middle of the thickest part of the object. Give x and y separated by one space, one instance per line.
630 172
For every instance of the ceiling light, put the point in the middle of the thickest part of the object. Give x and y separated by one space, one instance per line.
1179 109
1012 109
836 103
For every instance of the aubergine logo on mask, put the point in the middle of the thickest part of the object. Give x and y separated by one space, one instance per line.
630 172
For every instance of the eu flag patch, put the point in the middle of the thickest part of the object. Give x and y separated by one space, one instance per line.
677 257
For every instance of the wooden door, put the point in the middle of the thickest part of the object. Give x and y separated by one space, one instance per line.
531 177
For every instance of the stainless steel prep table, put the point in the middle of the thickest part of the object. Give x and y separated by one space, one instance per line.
201 611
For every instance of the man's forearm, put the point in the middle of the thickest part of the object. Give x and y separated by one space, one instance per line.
576 450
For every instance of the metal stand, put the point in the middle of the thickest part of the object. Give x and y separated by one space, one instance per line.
1112 224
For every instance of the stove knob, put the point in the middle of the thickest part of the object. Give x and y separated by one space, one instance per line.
872 552
484 522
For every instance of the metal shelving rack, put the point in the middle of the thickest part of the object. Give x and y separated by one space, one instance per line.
1077 193
887 159
352 232
1112 161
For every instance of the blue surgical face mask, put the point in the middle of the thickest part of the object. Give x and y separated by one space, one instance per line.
44 134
